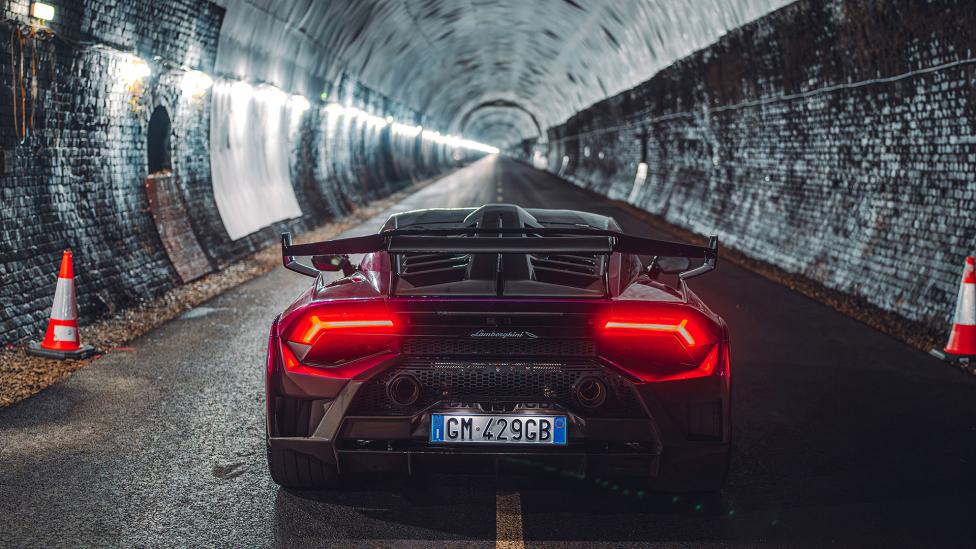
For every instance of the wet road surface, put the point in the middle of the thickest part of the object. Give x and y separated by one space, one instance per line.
843 436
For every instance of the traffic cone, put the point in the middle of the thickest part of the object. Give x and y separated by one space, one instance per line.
61 340
962 339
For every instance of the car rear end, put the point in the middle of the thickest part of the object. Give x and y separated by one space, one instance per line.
500 336
603 386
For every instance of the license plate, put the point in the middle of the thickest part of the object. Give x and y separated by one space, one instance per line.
497 429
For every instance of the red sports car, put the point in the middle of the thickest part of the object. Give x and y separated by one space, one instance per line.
499 336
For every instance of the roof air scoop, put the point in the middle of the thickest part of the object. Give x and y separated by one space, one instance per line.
502 268
501 216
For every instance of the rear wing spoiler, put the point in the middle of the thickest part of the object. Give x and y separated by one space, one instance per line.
500 241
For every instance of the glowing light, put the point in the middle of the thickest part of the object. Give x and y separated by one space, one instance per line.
241 91
196 83
335 109
638 182
405 130
132 70
475 146
367 118
457 142
298 103
357 324
42 11
314 325
680 328
271 94
436 137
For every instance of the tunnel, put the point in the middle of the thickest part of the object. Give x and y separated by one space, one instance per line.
164 163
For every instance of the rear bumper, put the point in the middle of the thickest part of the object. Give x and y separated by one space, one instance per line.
694 467
664 445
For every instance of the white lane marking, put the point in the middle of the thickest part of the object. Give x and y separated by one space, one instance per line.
508 521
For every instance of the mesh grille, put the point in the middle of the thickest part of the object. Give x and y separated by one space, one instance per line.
498 347
469 381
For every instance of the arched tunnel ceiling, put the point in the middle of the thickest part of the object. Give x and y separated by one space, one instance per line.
447 58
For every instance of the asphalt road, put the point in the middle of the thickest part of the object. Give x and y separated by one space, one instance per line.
843 436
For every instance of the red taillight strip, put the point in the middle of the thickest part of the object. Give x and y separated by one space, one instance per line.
345 371
328 324
709 366
314 325
705 369
679 328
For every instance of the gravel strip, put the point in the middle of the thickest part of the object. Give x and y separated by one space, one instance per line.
22 375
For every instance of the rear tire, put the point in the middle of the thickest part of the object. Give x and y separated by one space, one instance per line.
291 469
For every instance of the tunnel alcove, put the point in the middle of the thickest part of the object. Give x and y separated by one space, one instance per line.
158 152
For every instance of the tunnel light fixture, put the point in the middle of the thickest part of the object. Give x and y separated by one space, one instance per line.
132 70
240 91
405 130
352 112
335 109
436 137
42 11
475 146
268 93
457 142
298 103
366 118
195 83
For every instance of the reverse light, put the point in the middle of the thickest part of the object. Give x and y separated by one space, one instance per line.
681 328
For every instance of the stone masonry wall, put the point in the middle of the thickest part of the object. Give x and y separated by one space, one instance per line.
831 138
76 178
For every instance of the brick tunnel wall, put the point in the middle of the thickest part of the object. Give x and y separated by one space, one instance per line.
76 178
831 138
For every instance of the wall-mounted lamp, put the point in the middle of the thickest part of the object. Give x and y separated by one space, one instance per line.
195 83
132 70
299 103
335 109
42 11
405 130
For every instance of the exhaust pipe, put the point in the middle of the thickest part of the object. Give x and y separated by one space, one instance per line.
590 392
403 389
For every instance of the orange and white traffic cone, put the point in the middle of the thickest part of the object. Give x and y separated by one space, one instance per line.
61 340
962 339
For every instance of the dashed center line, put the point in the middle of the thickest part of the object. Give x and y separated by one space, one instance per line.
508 521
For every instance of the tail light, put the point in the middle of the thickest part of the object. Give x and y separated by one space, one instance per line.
662 346
330 336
